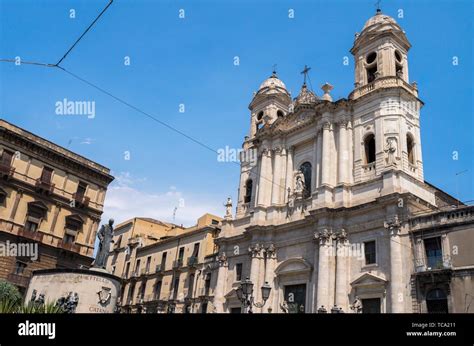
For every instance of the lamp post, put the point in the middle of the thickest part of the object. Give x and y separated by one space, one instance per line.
245 295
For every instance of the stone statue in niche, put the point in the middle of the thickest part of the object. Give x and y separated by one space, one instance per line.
68 303
299 183
390 151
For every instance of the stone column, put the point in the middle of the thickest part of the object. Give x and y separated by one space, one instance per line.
319 153
343 154
270 252
325 241
326 169
396 270
341 299
219 292
255 252
289 169
276 186
264 180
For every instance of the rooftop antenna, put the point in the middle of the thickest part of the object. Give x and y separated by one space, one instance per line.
457 185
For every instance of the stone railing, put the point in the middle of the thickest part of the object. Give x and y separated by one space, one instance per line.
381 83
433 263
452 216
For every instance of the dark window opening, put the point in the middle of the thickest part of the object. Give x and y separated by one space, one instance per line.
410 150
69 239
259 122
371 306
280 114
399 70
437 302
163 260
20 268
204 308
207 284
175 288
157 292
181 254
371 58
81 190
306 169
369 144
370 252
248 191
190 285
398 56
238 272
46 175
434 253
148 263
371 74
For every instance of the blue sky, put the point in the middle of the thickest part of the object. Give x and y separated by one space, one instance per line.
190 61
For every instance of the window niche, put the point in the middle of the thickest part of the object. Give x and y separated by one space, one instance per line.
410 149
371 67
248 191
369 148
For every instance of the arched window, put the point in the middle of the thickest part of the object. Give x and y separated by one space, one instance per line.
369 146
305 168
280 113
410 149
259 122
371 61
248 191
398 64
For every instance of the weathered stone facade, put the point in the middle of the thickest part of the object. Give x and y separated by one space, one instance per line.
326 214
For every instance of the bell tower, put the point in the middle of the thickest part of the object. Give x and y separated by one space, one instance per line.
388 135
380 50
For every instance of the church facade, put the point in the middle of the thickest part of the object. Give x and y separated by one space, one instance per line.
333 213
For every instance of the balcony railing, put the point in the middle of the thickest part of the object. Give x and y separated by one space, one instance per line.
193 262
145 271
433 263
18 279
205 292
6 170
177 264
160 268
36 236
44 186
80 199
69 246
384 82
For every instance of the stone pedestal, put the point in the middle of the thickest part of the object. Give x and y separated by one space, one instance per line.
95 290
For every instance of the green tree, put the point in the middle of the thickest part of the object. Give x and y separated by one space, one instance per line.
9 292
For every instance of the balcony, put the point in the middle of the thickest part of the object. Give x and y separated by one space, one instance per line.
68 246
80 200
433 263
159 269
193 262
383 83
6 171
178 264
205 292
35 236
145 271
18 279
44 186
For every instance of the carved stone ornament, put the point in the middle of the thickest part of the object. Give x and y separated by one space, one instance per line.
393 225
255 250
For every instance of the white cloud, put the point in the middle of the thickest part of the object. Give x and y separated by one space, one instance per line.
125 201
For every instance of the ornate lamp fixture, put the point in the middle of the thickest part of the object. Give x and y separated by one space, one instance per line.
245 295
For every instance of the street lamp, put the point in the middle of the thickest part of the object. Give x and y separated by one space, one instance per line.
245 294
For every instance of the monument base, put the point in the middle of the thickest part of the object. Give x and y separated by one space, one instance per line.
77 290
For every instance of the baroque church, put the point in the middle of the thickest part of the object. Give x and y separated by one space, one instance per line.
335 214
